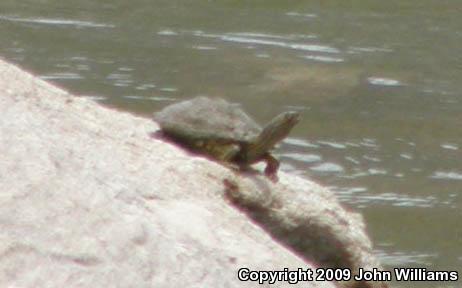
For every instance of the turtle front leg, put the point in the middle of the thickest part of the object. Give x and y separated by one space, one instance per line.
272 166
224 154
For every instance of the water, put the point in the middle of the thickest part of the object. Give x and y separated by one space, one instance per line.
378 85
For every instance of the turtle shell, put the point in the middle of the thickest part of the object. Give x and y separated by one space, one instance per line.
207 119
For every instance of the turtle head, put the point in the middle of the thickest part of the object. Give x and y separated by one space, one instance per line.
284 121
276 130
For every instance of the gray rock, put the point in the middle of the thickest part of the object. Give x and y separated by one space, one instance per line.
89 199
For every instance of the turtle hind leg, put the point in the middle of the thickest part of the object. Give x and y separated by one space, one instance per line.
272 166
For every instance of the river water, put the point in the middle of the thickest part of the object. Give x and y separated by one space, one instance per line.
378 84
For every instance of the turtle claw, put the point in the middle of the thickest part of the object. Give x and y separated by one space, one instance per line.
272 166
273 177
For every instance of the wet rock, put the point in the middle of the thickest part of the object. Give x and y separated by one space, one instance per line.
308 220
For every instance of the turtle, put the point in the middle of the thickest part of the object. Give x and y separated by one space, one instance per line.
224 132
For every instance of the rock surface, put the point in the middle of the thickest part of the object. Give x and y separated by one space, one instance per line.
89 199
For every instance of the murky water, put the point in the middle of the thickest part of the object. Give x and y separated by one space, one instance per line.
377 82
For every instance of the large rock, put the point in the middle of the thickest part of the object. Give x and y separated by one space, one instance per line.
89 199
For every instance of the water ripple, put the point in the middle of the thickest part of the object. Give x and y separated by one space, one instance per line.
300 143
371 158
447 175
269 40
295 46
368 49
199 47
161 98
145 86
168 89
261 35
94 97
367 142
328 167
304 15
352 160
406 156
395 199
62 76
324 58
335 145
134 97
59 22
120 79
369 172
406 259
307 158
383 81
449 146
167 33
